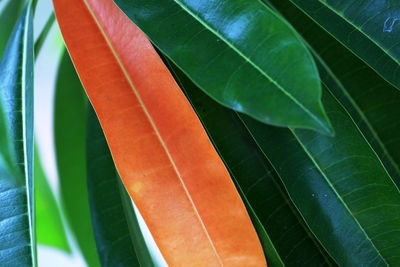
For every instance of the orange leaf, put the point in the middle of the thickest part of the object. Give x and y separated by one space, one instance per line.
162 153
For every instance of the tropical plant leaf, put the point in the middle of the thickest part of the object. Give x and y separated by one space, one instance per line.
278 224
340 187
145 254
372 102
49 226
240 53
70 142
8 17
370 29
43 35
160 149
110 221
17 234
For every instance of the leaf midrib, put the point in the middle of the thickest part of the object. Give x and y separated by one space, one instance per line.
24 89
115 54
359 29
216 33
297 214
336 193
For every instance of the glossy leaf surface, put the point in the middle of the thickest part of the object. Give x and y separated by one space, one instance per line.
160 149
70 141
17 235
372 102
281 229
239 53
339 186
370 29
49 226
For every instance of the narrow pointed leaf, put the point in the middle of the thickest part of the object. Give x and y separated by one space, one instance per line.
70 142
239 53
110 223
372 102
17 234
370 29
340 187
49 226
160 149
145 255
278 224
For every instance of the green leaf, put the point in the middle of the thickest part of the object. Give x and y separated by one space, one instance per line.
43 35
340 187
114 222
49 227
146 256
17 234
370 29
240 53
372 102
282 232
70 142
8 17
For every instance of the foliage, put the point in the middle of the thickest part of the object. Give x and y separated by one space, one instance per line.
299 100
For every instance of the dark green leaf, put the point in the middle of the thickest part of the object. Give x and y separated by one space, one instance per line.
282 232
111 215
372 102
70 141
370 29
8 17
17 235
340 187
146 256
240 53
49 227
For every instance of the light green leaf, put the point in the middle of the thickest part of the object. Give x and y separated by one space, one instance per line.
370 29
282 232
17 234
240 53
70 142
49 227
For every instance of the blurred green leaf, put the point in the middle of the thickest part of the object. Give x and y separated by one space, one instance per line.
8 17
17 224
43 35
370 29
241 54
49 227
282 232
70 141
340 187
115 225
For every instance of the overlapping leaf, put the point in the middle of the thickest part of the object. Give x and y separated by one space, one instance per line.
370 29
8 17
340 187
114 221
372 102
283 233
239 53
17 238
70 141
